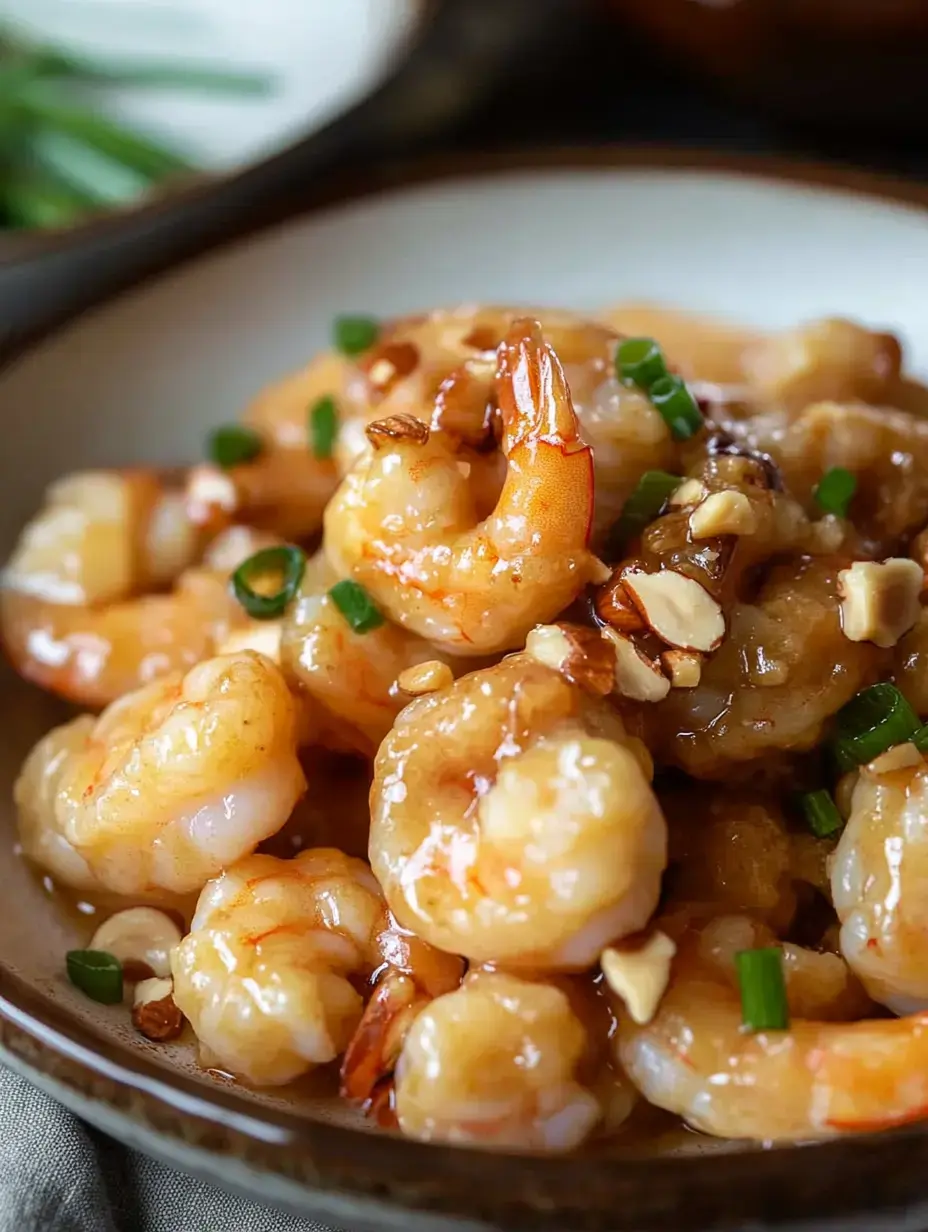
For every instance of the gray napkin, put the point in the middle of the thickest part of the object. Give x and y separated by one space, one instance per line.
59 1175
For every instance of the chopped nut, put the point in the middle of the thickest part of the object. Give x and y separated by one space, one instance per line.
482 338
690 492
636 676
683 667
640 975
397 428
426 677
899 757
389 363
723 513
826 536
154 1011
139 935
263 636
614 606
880 601
211 495
601 573
576 652
677 609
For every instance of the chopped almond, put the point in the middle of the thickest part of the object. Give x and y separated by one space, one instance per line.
690 492
675 607
880 601
389 363
614 606
425 678
576 652
636 676
684 668
139 935
397 428
154 1011
640 975
723 513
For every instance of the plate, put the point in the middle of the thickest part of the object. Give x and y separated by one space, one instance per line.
144 377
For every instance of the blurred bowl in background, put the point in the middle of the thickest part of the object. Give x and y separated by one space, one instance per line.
319 58
850 64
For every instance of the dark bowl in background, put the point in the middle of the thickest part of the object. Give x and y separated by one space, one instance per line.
858 66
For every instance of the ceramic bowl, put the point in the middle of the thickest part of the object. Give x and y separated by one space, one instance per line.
142 378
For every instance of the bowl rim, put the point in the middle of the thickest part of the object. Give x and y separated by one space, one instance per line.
836 1179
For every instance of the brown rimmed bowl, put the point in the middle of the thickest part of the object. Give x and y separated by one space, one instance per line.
142 378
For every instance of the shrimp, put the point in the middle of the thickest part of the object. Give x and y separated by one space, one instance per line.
732 849
403 521
877 873
171 783
886 450
816 1079
92 655
268 973
441 369
350 676
783 670
829 358
102 536
495 1064
512 820
285 488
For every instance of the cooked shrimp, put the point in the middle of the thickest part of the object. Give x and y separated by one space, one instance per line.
172 782
511 820
102 536
887 452
731 849
877 881
351 676
441 368
267 975
403 522
783 669
495 1064
828 358
814 1080
285 488
93 655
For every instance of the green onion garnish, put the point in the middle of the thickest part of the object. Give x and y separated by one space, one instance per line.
283 567
920 739
873 721
835 490
97 974
645 503
233 444
323 427
640 361
355 334
356 605
763 990
677 405
821 813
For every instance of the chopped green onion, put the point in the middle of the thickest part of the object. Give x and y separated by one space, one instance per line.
821 813
640 361
323 427
645 503
677 405
920 739
835 490
764 1006
283 566
149 74
873 721
233 444
355 334
96 973
356 605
